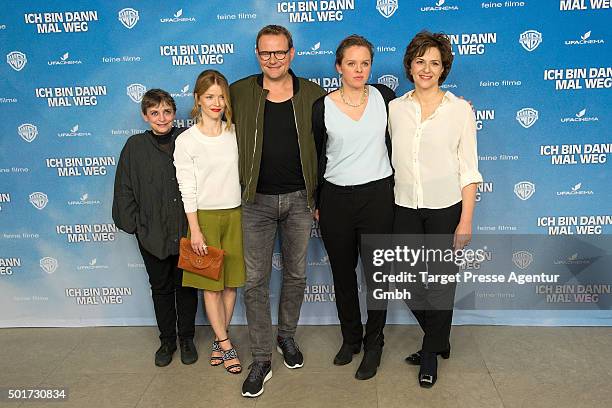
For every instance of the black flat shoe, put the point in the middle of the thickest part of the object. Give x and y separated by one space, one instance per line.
428 374
189 353
415 358
345 354
427 380
163 355
369 365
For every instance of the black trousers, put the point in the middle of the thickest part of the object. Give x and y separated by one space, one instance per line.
431 304
346 213
170 298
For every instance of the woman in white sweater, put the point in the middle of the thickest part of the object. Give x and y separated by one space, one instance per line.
206 161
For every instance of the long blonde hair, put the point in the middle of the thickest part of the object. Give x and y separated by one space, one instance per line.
205 80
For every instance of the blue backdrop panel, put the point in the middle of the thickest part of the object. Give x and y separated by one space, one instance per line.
538 73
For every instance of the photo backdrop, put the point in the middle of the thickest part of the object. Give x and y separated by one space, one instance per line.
538 74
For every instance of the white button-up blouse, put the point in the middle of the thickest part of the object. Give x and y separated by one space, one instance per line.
434 159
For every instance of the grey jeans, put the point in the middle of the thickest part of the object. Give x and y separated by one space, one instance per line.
289 213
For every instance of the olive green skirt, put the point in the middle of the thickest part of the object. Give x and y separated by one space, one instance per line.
221 229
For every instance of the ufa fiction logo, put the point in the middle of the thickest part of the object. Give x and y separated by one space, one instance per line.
84 200
178 17
585 39
64 60
315 50
580 117
183 93
440 5
576 190
74 132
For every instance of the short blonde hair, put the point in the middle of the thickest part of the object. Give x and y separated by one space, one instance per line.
205 80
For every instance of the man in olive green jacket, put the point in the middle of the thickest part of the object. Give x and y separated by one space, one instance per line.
278 174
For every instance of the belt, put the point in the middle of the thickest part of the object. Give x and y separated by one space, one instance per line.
364 186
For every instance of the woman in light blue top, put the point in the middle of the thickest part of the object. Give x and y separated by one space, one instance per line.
355 193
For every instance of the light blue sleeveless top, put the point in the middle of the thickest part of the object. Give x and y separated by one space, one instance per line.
356 150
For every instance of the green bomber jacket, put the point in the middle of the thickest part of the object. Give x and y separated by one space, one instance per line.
248 101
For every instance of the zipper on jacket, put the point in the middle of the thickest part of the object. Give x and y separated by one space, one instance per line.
297 131
254 145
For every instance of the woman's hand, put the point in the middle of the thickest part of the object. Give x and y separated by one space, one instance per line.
198 243
316 214
463 235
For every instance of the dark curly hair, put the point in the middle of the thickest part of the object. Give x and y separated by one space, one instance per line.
421 43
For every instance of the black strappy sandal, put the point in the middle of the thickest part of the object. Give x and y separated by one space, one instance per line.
230 355
216 360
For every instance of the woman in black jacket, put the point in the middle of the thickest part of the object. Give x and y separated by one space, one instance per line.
147 203
355 193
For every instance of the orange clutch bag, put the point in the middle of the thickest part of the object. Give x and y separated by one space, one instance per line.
208 266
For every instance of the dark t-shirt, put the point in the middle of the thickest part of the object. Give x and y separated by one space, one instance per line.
165 141
280 171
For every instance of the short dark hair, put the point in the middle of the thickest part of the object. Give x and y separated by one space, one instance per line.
421 43
352 41
155 97
274 29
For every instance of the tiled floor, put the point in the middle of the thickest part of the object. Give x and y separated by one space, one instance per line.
489 367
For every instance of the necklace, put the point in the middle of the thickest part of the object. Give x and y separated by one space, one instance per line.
349 103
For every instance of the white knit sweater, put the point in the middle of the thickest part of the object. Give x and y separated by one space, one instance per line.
207 169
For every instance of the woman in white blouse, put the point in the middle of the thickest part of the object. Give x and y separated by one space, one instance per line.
433 136
206 161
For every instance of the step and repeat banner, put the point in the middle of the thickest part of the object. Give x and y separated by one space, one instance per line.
538 74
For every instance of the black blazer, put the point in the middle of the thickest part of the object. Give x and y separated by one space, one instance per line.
320 132
147 200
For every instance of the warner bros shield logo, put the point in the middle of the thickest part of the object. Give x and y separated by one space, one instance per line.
128 17
387 8
527 117
39 200
48 264
136 92
522 259
17 60
28 132
389 80
524 190
530 40
277 261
